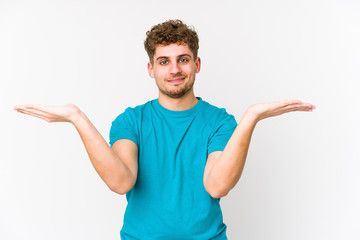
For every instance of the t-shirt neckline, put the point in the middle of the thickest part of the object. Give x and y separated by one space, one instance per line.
183 113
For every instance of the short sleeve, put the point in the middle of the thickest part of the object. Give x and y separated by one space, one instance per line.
124 127
222 133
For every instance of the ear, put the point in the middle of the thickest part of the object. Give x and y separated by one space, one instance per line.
198 64
150 70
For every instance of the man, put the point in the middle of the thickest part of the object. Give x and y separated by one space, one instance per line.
174 157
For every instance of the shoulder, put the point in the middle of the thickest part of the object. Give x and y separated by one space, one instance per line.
134 112
214 112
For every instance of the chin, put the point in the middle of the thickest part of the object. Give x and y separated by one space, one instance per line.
175 95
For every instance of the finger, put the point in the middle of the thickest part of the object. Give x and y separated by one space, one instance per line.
34 110
299 107
18 107
290 102
307 106
294 103
36 113
37 107
26 106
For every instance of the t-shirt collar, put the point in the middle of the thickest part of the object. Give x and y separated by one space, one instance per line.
172 113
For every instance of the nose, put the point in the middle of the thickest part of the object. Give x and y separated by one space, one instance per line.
175 68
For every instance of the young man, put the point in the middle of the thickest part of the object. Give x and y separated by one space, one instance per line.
174 157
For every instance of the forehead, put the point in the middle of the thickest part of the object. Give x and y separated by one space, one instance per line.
172 50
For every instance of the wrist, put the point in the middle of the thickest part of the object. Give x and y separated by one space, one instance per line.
251 116
76 116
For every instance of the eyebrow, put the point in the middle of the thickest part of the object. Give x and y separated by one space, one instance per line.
180 56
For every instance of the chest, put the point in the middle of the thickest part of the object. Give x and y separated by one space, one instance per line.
173 146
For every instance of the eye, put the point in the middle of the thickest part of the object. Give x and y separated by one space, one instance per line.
183 60
163 62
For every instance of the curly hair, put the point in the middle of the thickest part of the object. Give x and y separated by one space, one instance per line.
171 31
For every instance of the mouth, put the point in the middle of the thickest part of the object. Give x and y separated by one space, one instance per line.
176 80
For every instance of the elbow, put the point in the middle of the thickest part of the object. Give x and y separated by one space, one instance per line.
118 190
216 191
218 194
121 185
121 189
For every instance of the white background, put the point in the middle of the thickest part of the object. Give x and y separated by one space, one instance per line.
302 176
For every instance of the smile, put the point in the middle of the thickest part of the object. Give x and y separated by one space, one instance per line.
176 80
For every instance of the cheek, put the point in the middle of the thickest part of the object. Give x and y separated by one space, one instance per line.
190 69
159 73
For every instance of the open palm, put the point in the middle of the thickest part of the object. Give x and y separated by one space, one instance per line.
271 109
64 113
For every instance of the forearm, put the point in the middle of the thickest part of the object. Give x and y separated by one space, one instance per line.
228 168
106 162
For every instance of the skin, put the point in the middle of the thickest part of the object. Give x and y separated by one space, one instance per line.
174 69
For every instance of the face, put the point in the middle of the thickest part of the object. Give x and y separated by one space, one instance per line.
174 69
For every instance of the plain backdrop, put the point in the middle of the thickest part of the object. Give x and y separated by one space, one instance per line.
301 179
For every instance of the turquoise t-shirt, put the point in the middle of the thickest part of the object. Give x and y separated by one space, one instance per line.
169 200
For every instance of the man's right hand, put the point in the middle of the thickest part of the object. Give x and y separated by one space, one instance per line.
66 113
117 166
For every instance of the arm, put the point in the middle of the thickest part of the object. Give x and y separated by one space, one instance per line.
223 169
117 166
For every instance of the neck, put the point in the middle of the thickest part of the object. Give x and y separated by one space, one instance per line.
178 104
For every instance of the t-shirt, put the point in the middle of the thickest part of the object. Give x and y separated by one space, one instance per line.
169 200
